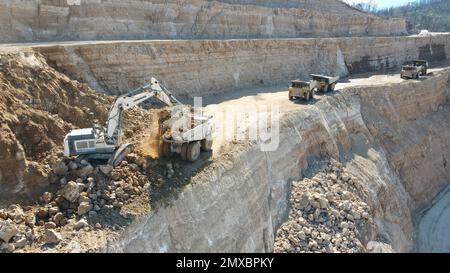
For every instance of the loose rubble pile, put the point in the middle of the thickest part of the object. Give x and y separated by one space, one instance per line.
326 214
84 198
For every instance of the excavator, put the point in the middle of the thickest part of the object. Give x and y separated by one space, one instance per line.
105 143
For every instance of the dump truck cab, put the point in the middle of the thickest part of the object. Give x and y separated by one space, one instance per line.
423 65
414 70
301 89
410 72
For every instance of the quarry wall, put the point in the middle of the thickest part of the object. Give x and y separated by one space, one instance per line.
69 20
205 67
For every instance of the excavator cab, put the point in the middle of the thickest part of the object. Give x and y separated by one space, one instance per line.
80 141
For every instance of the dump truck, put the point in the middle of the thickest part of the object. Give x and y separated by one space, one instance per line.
186 133
307 90
414 70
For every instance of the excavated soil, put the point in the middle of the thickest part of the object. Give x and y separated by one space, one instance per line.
38 107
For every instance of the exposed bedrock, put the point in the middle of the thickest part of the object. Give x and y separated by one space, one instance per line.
57 20
394 145
191 68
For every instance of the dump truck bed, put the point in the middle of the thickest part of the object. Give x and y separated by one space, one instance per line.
326 79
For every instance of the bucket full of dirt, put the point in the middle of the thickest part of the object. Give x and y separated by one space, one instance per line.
151 142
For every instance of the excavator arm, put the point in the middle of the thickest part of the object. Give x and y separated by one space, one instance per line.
152 90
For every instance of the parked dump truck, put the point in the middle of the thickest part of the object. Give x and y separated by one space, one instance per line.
414 70
307 90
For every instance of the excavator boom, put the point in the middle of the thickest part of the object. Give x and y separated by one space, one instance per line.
133 98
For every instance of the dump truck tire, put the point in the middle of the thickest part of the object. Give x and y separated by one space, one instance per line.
207 145
183 153
193 151
291 98
331 87
166 149
307 96
313 94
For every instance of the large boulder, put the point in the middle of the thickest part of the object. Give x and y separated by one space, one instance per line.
52 237
71 192
84 208
85 171
7 230
60 168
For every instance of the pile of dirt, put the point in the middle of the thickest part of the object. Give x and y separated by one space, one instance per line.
38 107
327 214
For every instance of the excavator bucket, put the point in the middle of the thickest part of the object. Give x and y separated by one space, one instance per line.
120 154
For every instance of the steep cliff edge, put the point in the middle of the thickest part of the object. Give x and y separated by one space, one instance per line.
70 20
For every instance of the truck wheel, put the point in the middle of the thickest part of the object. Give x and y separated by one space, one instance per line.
291 98
207 145
166 149
193 151
313 93
331 87
307 96
183 153
417 75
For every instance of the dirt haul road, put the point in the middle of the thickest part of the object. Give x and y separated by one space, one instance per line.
232 113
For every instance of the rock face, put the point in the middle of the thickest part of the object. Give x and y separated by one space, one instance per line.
191 68
432 226
236 210
49 20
